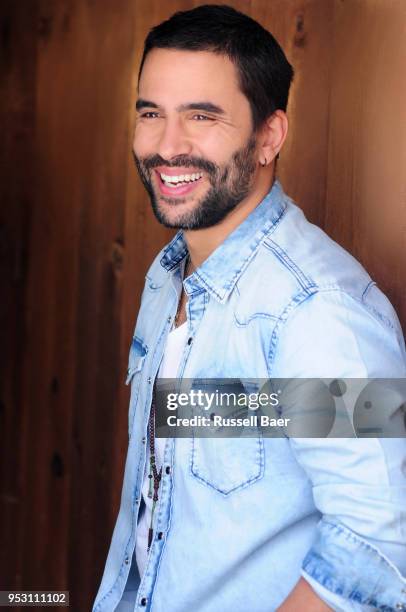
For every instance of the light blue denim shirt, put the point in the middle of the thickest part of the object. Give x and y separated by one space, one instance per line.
239 521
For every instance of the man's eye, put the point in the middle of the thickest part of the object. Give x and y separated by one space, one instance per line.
149 115
200 117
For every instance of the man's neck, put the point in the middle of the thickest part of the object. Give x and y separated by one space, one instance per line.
201 243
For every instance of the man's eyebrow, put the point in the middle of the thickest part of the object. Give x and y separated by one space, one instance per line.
209 107
141 103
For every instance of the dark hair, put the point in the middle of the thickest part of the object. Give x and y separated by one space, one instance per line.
264 72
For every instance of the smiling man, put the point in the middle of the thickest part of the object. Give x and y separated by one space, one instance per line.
247 289
214 146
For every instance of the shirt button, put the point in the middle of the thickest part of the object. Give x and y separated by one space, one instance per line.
126 560
190 340
168 469
169 319
149 379
160 535
144 601
143 440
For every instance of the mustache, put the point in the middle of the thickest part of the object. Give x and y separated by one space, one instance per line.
180 161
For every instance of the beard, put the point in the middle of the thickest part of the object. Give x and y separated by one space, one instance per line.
229 185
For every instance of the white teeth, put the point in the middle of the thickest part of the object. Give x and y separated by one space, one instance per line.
182 178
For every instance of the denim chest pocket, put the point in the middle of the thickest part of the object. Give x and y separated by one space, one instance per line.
227 464
136 361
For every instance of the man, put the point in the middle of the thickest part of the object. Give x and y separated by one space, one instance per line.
247 288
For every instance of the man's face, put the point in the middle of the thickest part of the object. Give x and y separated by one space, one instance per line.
194 145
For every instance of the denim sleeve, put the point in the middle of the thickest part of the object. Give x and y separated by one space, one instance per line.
359 484
334 601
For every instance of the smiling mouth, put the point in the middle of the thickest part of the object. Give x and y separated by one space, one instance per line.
178 185
180 180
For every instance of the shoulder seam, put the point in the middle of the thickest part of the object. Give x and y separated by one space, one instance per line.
303 296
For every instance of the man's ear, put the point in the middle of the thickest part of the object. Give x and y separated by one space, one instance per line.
272 136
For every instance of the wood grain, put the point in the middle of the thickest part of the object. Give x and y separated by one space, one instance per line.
78 234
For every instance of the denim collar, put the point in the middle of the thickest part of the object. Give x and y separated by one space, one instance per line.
219 273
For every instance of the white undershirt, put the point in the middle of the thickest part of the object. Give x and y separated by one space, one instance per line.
168 369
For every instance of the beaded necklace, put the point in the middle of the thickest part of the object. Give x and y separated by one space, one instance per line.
155 476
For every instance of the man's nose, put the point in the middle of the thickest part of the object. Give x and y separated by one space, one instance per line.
173 140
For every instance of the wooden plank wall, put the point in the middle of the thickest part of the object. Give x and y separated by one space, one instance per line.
77 236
